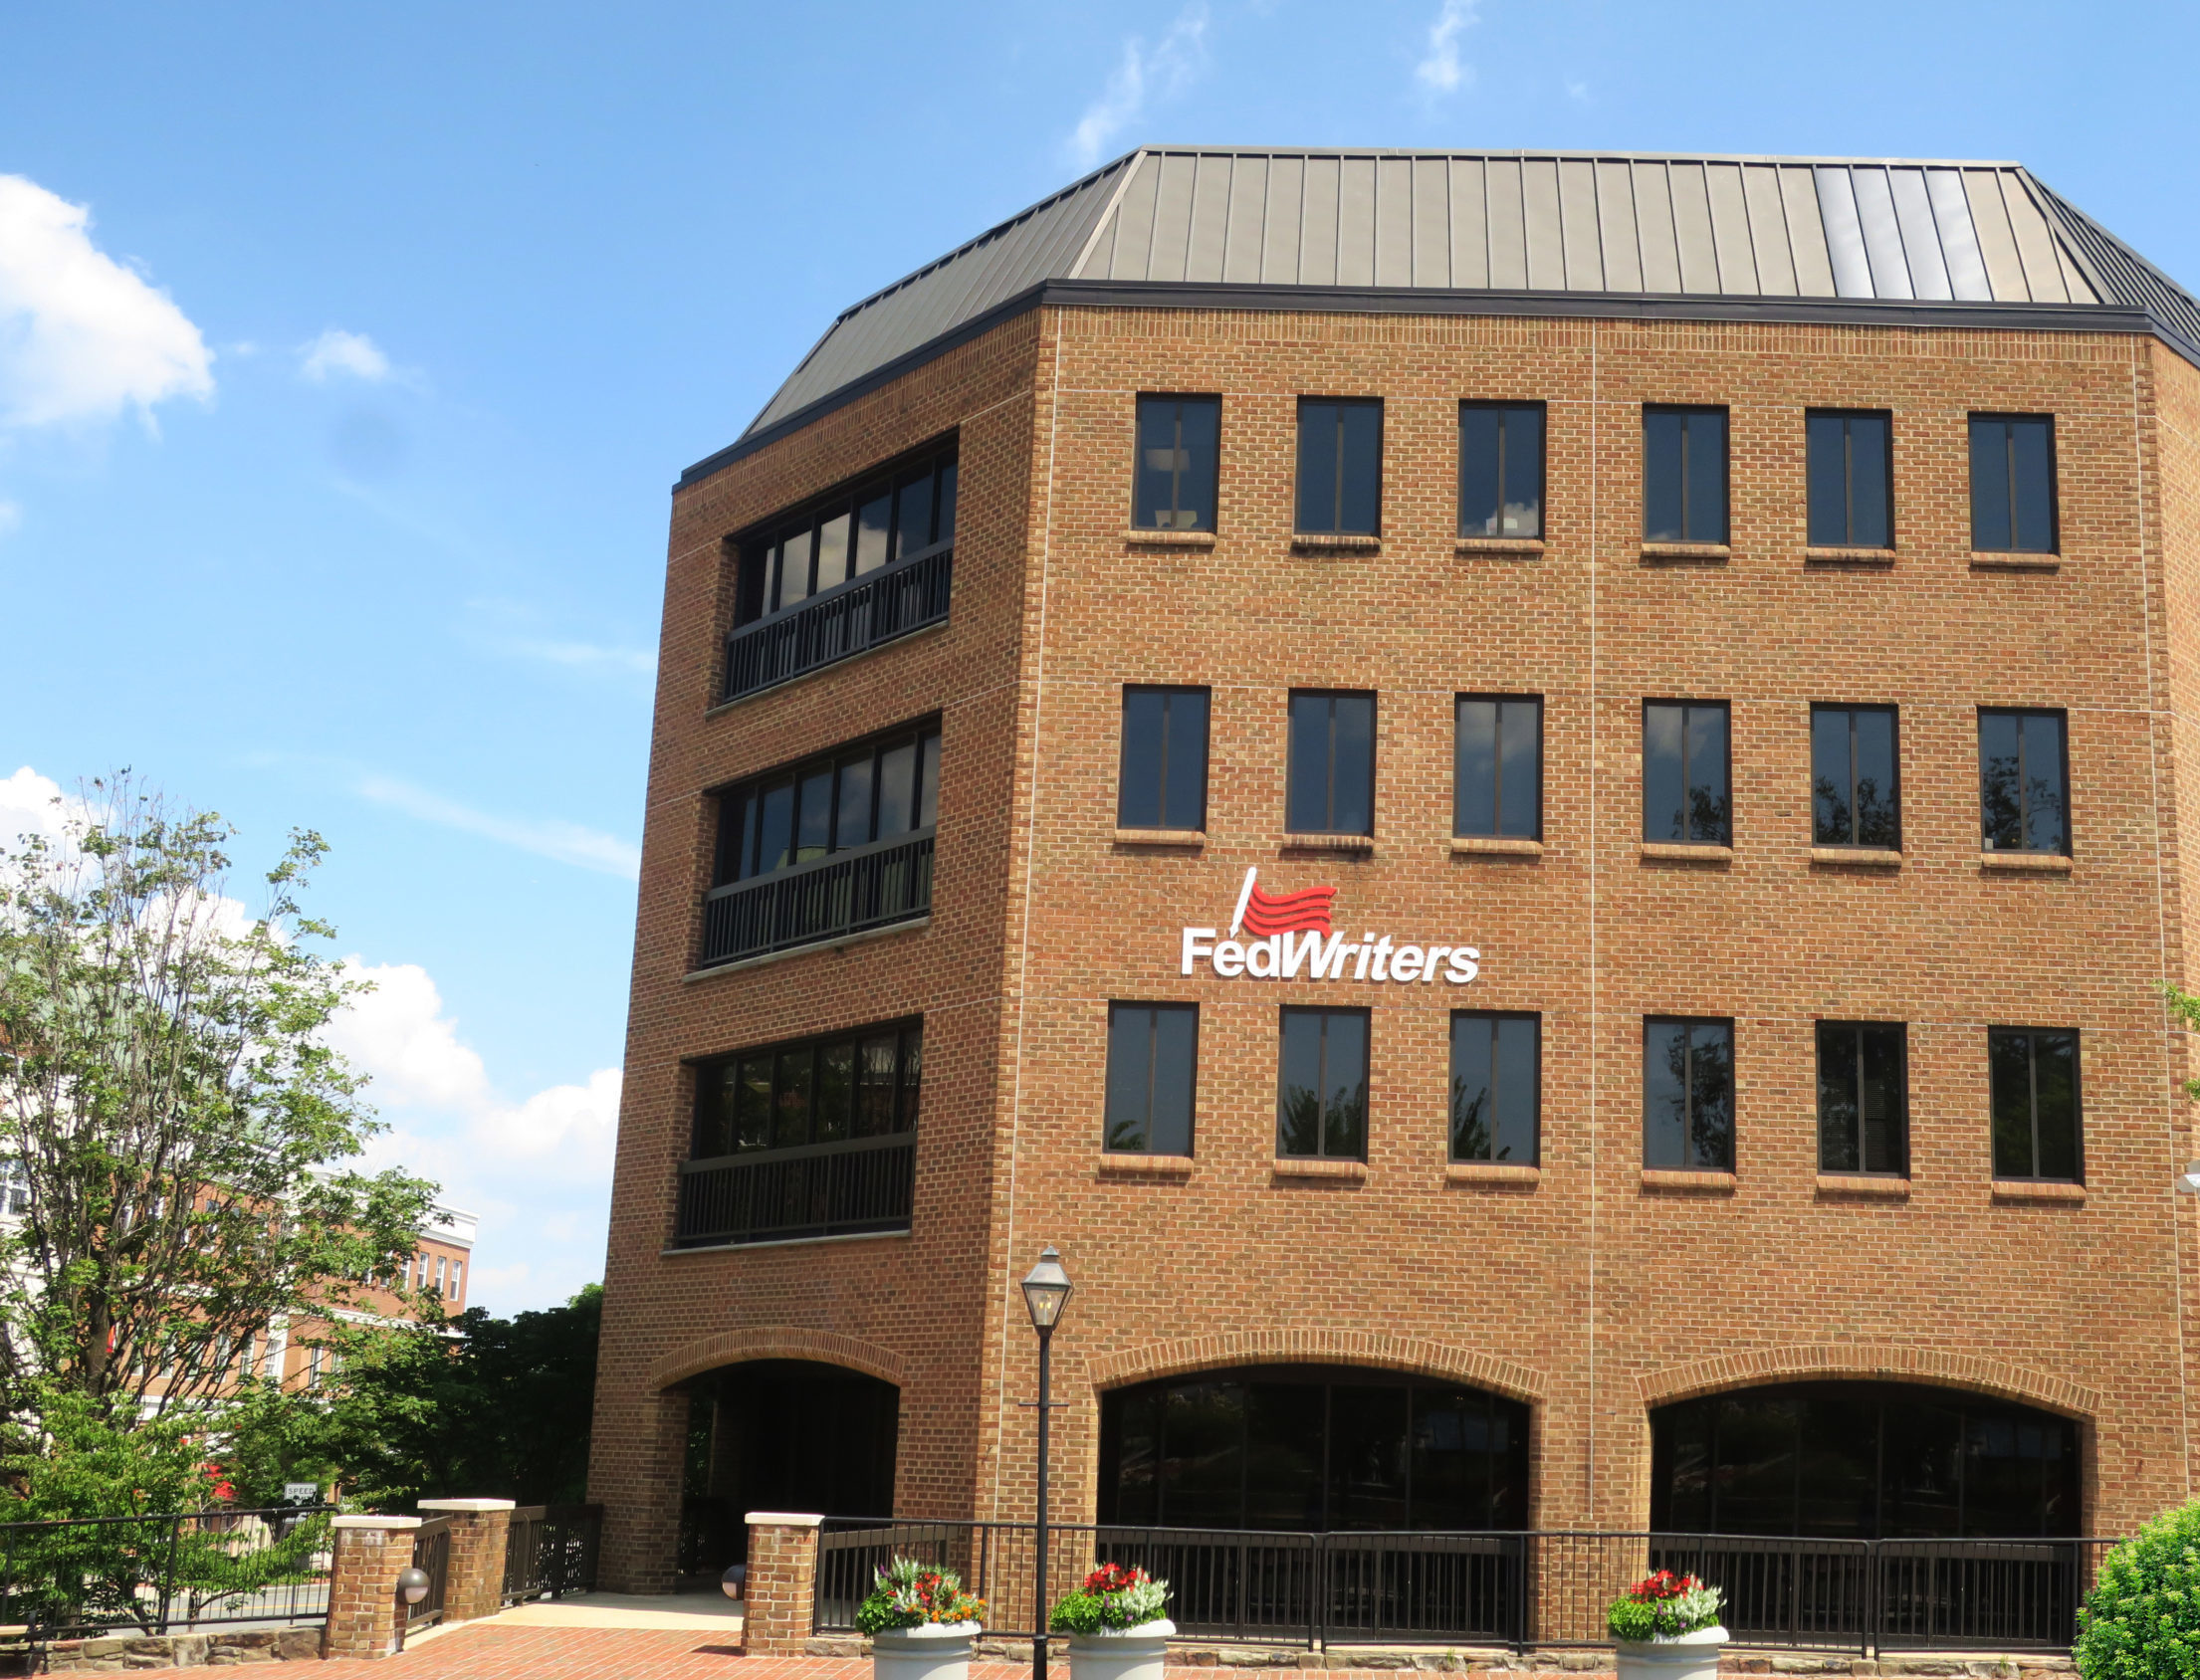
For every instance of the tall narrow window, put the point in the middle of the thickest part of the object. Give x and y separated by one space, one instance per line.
1851 498
1496 1080
1688 1095
2022 769
1322 1095
1854 795
1497 766
1153 1061
2036 1103
906 513
1862 1098
1163 778
1685 772
1340 481
1683 475
2012 484
1179 440
820 1091
1500 468
1332 764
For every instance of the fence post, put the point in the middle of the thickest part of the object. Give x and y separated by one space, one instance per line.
480 1528
782 1583
364 1612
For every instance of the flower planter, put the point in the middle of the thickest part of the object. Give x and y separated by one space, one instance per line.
1130 1653
1687 1656
935 1651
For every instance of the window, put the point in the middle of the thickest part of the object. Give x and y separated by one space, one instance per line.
15 1187
822 1091
1332 763
2012 484
1688 1095
1153 1060
2035 1106
1683 475
1163 783
1500 468
2023 760
1851 498
1340 487
1179 443
900 516
1322 1096
458 1270
1497 766
876 791
1855 778
1685 772
1862 1098
1496 1083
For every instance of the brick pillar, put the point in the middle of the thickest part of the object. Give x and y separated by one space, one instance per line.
479 1531
782 1574
364 1612
639 1452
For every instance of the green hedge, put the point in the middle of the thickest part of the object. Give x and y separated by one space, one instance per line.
2141 1621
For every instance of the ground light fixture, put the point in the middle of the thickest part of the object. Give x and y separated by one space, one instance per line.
2188 1181
1046 1290
412 1586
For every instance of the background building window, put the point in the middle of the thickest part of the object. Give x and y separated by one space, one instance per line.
1163 783
1153 1061
2036 1103
1332 764
1852 495
877 790
2012 484
1854 771
1178 442
2023 763
1500 468
902 514
1688 1095
1685 772
1321 1097
1685 474
1497 766
1340 482
864 1085
1862 1098
1497 1087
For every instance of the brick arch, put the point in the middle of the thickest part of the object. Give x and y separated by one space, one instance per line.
1863 1360
1318 1347
776 1341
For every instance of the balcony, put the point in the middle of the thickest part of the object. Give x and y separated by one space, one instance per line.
838 623
855 1188
815 903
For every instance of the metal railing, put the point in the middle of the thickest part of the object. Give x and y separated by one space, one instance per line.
551 1550
837 624
431 1551
829 898
848 1189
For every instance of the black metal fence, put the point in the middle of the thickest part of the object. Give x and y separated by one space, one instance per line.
829 898
847 619
551 1550
431 1553
848 1189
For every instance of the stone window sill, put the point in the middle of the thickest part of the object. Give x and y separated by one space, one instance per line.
1129 1163
1161 837
1884 1186
2025 1189
2039 863
1173 539
1688 1182
1857 857
1877 559
1700 554
1314 1166
1981 561
1335 543
1497 846
1491 1173
1329 841
1528 547
1674 851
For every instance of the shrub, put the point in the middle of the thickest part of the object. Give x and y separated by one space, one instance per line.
1664 1607
2141 1621
1113 1597
909 1595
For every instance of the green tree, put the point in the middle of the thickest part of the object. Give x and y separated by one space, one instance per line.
2141 1621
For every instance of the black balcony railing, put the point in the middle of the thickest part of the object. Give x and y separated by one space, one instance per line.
850 1188
850 891
551 1550
838 623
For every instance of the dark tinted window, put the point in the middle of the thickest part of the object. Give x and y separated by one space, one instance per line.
1332 764
1853 769
1340 476
1495 1087
1688 1095
1178 450
2021 768
820 1091
1685 772
1322 1096
2013 483
843 535
1500 468
1685 474
876 791
1153 1059
1497 766
1163 783
1862 1098
1852 499
2036 1103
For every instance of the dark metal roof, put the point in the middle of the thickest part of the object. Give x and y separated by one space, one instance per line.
1959 242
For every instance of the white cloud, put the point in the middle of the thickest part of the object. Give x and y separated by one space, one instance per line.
11 516
29 804
1173 65
1439 70
82 337
566 842
588 656
337 351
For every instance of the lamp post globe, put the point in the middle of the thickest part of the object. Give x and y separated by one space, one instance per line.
412 1585
1046 1290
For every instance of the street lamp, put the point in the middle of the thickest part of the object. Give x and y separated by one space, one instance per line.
1045 1292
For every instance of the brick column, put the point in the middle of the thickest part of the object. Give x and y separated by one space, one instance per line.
640 1447
479 1530
364 1612
782 1574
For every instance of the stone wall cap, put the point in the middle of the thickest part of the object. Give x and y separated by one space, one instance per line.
784 1518
468 1504
375 1522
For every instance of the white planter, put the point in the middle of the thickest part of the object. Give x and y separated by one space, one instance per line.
1692 1656
1130 1653
938 1650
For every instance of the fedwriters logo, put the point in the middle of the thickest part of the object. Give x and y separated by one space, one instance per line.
1292 939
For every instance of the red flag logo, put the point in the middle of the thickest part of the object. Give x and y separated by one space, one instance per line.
1263 914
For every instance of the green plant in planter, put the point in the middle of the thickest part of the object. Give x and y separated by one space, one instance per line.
2141 1621
1664 1607
912 1594
1114 1597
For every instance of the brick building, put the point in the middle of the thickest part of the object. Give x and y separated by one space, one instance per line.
1723 631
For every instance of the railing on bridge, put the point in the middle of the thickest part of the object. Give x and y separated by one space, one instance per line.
551 1550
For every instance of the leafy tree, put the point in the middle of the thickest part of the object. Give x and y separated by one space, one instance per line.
2141 1621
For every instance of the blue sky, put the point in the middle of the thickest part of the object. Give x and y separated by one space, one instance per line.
348 356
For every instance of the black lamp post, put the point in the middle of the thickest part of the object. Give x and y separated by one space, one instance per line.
1045 1291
